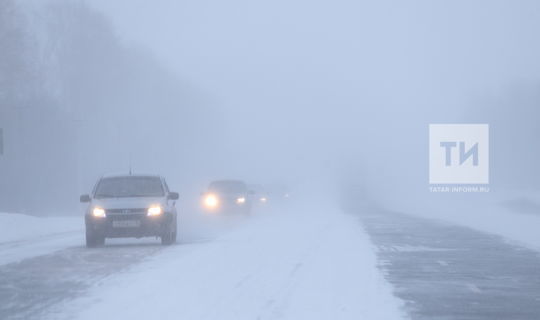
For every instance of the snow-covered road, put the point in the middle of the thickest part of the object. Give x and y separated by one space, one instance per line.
30 287
445 271
301 263
297 264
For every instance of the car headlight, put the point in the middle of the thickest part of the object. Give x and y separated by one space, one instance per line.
241 200
155 211
211 201
99 212
263 200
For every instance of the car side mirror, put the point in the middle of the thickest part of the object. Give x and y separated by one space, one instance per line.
173 196
85 198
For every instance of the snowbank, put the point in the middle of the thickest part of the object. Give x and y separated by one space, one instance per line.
23 236
19 227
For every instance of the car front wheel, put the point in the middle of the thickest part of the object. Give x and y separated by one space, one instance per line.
93 240
170 236
167 239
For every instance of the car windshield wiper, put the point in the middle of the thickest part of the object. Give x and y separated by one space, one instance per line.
127 196
99 196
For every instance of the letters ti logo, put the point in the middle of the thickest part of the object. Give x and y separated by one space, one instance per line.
459 154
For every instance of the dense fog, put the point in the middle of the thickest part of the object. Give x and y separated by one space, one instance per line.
317 95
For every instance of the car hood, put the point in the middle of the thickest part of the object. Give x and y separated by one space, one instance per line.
127 203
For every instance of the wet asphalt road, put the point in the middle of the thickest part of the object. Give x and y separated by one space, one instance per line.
28 288
444 271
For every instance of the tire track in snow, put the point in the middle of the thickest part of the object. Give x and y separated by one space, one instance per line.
28 288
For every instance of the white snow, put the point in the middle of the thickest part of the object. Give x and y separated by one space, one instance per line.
308 263
512 214
23 236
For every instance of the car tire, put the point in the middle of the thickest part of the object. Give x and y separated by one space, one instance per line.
170 237
175 231
90 240
100 241
167 239
93 240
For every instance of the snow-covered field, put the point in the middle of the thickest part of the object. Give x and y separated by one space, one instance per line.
23 236
306 263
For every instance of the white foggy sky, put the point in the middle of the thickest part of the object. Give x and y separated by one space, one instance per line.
338 78
284 90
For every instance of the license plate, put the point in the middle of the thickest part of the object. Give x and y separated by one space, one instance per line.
126 224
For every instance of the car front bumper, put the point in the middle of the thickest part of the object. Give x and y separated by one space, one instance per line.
129 226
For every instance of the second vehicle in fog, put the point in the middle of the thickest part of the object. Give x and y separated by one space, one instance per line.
227 196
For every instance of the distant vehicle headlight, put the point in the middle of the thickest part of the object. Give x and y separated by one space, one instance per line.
241 200
263 199
211 201
99 212
155 211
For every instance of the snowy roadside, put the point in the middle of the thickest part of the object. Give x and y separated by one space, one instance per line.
307 263
23 236
497 219
512 214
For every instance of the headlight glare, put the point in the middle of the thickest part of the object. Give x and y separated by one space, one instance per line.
211 201
99 212
241 200
155 211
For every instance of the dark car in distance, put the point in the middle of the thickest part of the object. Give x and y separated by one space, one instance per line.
227 196
130 206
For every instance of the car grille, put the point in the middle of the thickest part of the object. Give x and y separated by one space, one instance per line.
136 211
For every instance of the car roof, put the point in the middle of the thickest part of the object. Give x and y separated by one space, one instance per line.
124 175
